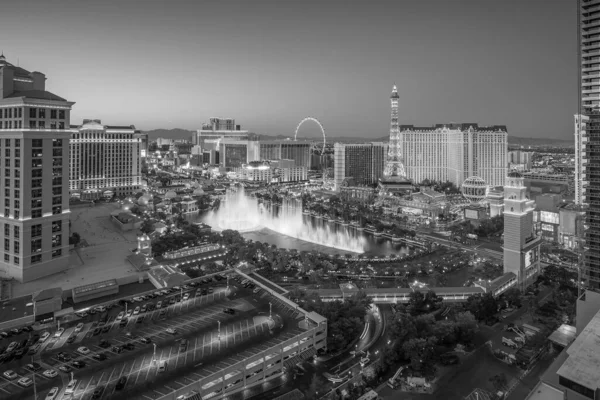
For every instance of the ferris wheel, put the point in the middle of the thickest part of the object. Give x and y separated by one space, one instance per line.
320 126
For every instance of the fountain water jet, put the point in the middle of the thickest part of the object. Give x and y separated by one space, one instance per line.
243 213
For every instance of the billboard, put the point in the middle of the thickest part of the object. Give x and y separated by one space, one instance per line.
530 257
471 214
549 217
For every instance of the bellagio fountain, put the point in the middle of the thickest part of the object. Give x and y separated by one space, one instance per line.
244 213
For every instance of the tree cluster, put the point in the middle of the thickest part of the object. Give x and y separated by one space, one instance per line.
345 319
483 307
489 227
421 339
439 186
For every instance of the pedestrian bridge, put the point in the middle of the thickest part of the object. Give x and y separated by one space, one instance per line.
402 295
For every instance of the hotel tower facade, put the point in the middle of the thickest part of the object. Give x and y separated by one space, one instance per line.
34 152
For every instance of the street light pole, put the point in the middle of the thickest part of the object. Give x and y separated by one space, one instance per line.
34 385
270 310
219 330
154 356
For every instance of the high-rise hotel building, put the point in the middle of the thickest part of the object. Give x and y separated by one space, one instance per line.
34 153
364 162
217 129
587 137
105 160
455 152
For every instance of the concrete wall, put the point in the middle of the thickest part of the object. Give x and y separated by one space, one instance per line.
588 305
14 323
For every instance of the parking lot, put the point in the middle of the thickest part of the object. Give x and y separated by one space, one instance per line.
197 320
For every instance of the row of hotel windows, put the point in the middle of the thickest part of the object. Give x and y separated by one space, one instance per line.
36 258
34 143
102 136
17 112
36 230
32 125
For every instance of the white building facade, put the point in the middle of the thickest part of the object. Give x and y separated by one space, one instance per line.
455 152
104 160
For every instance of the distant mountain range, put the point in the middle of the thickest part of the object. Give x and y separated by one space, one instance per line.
512 140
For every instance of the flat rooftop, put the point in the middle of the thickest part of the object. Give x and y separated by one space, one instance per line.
543 391
564 335
583 363
105 255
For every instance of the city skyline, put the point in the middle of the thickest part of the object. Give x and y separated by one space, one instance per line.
270 66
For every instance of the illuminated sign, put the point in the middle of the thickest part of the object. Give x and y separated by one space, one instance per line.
549 217
471 214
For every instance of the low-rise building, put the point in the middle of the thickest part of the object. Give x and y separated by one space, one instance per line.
571 220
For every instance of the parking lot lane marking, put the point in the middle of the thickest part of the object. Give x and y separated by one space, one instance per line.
141 368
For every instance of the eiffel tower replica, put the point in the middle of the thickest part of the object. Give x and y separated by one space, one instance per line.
394 180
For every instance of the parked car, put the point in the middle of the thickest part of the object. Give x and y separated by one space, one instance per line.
25 382
171 331
59 332
50 373
34 349
117 349
229 311
128 346
33 367
120 316
98 392
121 383
65 368
79 327
104 343
183 343
136 311
83 350
159 304
143 309
71 338
78 364
10 374
44 336
146 340
70 389
100 308
52 394
99 356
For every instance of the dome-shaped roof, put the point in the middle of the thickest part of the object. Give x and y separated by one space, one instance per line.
474 189
198 192
170 194
145 200
514 174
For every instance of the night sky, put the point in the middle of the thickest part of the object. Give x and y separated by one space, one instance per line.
268 64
